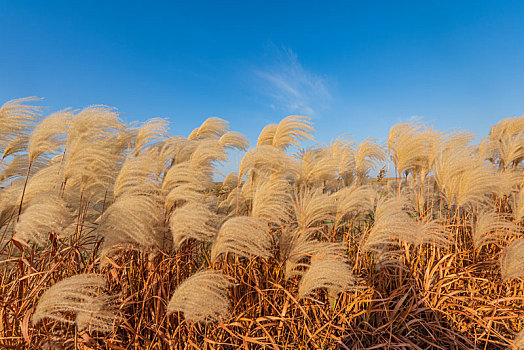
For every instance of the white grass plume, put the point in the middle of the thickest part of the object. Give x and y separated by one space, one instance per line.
49 214
18 166
16 145
49 135
517 205
230 181
45 180
243 236
312 208
186 173
366 157
93 150
192 221
428 231
266 159
94 123
512 260
505 143
267 134
82 294
234 140
301 248
206 154
133 219
16 118
102 314
271 201
444 142
334 274
153 130
180 149
491 227
316 166
90 167
464 179
393 224
211 128
391 221
184 193
508 181
203 297
408 145
139 174
518 342
291 130
235 203
354 200
342 152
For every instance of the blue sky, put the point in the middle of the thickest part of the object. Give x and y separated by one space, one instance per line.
355 67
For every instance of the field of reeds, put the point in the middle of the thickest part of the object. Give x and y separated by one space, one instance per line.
117 236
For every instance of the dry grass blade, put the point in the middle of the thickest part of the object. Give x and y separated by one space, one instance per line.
203 297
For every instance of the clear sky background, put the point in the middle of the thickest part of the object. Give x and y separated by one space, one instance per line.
355 67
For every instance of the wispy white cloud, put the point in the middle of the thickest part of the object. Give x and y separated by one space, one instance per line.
292 88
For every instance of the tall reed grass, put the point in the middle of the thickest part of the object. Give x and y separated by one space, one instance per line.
116 236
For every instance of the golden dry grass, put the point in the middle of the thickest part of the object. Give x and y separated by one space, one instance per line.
116 236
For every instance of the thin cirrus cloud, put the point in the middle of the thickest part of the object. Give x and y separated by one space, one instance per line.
290 87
